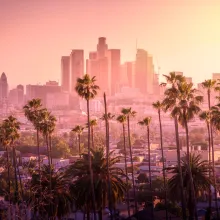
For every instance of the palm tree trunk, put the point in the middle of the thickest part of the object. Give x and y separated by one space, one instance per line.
126 171
132 165
9 183
163 162
90 163
15 173
192 189
149 168
183 200
38 150
107 155
92 135
214 175
209 138
79 145
213 158
48 150
50 147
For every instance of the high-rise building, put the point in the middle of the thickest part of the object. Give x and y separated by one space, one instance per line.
65 73
113 76
216 76
127 74
189 79
102 47
3 88
76 68
20 92
144 72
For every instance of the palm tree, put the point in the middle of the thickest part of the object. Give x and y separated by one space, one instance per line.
199 168
211 85
169 102
59 196
93 123
185 110
122 120
159 106
87 89
32 112
107 117
11 127
80 188
146 122
127 112
78 129
206 116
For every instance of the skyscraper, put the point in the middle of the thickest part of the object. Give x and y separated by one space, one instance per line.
3 87
20 91
113 76
65 73
144 72
102 47
76 68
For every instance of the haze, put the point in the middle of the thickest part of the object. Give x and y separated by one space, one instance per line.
181 35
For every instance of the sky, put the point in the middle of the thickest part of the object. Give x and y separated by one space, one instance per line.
181 35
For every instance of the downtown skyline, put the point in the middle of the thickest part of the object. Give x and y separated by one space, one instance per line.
180 36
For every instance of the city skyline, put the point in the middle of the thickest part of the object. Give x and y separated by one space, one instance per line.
181 36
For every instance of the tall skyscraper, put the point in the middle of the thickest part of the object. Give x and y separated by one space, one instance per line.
3 88
20 91
102 47
65 73
144 72
76 67
216 76
114 60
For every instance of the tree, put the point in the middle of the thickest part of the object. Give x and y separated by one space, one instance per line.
169 102
87 89
122 120
128 113
80 188
32 111
142 178
160 106
199 170
56 195
78 129
146 122
11 127
210 85
93 123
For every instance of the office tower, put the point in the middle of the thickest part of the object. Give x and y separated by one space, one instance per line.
102 47
144 72
127 74
20 94
178 73
189 79
97 65
65 73
76 68
3 88
216 76
114 59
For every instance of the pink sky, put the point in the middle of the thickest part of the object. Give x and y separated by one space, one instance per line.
182 35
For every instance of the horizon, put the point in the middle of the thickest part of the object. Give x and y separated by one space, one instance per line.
34 35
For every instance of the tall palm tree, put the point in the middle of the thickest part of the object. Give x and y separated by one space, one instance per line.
128 113
81 190
169 102
78 129
210 85
199 168
107 117
12 126
32 112
185 110
159 106
206 116
93 123
146 122
122 120
87 89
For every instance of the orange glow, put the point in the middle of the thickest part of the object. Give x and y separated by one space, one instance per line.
181 35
